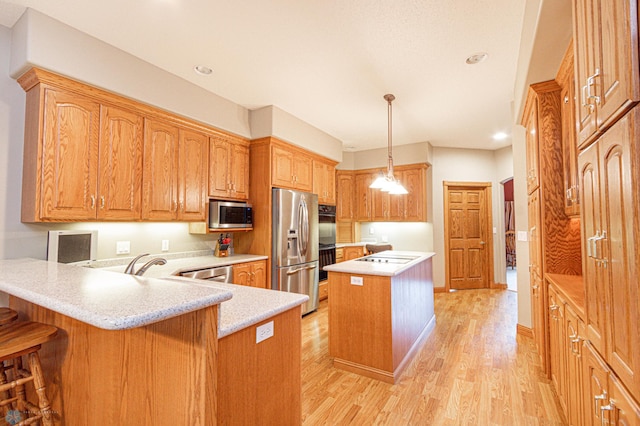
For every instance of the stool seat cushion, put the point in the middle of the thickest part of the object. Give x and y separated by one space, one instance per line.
22 335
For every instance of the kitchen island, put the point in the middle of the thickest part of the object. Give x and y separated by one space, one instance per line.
381 309
147 351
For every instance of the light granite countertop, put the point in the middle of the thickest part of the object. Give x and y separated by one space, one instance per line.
108 298
175 266
360 267
104 299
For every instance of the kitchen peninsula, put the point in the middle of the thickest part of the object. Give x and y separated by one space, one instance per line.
380 311
147 351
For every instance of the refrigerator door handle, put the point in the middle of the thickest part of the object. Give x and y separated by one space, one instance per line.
308 268
294 271
303 227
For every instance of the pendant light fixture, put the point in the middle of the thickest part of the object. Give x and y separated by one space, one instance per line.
388 183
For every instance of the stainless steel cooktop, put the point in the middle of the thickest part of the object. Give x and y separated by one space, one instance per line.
387 258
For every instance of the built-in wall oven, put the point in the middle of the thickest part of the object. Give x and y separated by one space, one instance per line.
326 237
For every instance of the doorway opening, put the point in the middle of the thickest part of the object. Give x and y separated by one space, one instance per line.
510 236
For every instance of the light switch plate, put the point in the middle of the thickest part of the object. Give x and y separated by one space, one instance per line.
522 235
123 247
165 245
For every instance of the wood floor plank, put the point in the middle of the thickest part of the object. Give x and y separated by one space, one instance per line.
472 370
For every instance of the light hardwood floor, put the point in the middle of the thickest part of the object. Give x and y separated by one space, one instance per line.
472 370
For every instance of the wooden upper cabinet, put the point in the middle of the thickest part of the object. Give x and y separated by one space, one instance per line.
160 171
415 206
228 169
68 166
363 202
606 70
345 189
565 79
193 174
175 173
120 179
531 138
324 181
291 169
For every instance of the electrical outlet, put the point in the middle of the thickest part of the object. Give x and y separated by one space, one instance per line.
372 230
356 281
264 331
123 247
165 245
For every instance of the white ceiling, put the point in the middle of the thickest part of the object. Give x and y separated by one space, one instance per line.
329 63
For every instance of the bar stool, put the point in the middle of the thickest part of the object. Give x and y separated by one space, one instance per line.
7 315
24 338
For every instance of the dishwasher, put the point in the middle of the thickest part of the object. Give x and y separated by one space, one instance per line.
221 274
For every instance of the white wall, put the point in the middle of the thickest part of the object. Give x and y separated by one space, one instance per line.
522 224
272 121
39 40
466 165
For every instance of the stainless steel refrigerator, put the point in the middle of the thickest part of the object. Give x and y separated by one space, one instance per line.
295 244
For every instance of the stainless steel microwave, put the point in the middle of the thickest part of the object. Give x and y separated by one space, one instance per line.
230 214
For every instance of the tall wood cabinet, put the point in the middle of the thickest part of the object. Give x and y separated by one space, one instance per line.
606 54
611 205
554 240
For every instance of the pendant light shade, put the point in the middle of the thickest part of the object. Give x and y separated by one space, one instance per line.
388 183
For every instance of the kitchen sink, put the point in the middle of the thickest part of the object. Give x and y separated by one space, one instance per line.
387 258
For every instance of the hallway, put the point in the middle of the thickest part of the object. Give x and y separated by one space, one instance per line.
473 369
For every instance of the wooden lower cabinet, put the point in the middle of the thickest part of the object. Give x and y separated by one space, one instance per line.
353 252
574 338
260 383
253 274
323 289
606 401
557 352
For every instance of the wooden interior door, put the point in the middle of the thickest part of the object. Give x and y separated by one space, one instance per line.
468 238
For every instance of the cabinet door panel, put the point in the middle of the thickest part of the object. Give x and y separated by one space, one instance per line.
69 157
303 172
585 65
193 174
532 148
219 171
282 168
414 201
363 197
617 246
557 352
120 183
160 171
617 84
596 395
591 272
345 196
239 171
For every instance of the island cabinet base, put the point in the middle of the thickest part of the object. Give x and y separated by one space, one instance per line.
160 374
377 323
260 383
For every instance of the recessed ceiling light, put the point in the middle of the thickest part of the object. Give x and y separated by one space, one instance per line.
476 58
500 136
202 70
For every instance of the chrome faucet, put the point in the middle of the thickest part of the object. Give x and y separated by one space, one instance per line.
131 266
154 261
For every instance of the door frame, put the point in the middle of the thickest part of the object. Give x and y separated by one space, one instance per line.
486 186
